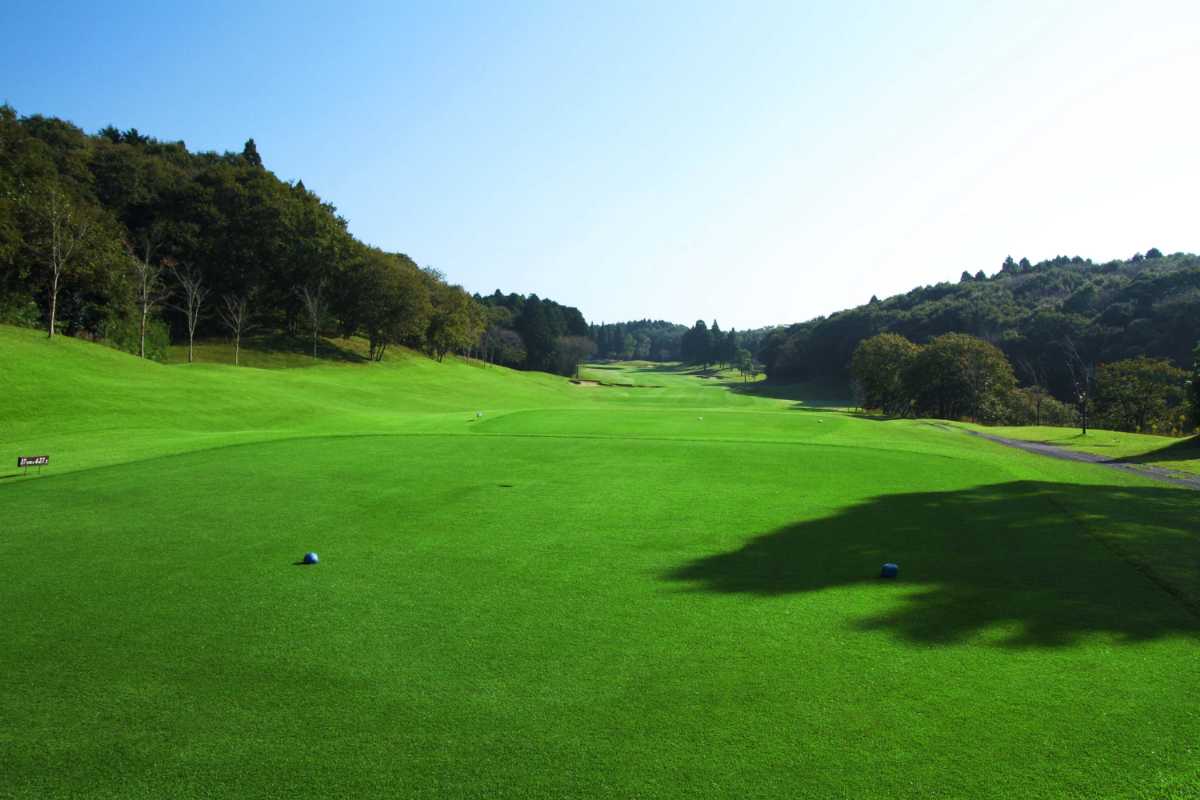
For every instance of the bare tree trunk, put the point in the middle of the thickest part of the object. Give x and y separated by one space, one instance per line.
55 258
1082 375
235 313
63 232
194 295
53 301
316 307
144 306
150 290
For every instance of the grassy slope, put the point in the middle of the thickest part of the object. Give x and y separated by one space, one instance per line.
1180 455
657 592
272 351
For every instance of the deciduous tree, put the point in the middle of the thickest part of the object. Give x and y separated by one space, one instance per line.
1036 391
193 294
316 308
63 227
570 352
1083 379
234 311
1140 394
456 321
388 300
958 375
745 363
149 289
879 366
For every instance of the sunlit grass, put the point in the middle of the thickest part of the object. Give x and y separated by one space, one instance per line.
1166 452
530 588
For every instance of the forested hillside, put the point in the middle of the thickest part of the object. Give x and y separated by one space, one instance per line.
123 238
1043 316
120 237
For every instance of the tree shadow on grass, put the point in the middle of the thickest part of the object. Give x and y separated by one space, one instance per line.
1046 561
681 369
299 345
806 395
1183 450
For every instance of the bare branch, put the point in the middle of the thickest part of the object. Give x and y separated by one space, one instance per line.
1083 376
149 288
234 312
64 229
316 307
194 295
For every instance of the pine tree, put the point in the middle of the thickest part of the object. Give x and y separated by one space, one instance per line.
729 348
534 327
250 153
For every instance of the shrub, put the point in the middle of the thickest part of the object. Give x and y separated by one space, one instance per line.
20 311
122 333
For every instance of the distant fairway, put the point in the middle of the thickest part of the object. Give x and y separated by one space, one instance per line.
660 590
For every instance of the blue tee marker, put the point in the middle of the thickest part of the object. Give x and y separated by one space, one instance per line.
889 570
311 558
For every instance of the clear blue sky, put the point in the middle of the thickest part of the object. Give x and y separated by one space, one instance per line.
757 163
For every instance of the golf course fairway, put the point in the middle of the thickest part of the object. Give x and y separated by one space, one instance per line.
534 588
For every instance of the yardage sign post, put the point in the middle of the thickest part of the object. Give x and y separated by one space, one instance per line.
32 461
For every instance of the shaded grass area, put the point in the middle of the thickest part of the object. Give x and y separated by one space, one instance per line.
811 394
1180 455
1013 556
273 351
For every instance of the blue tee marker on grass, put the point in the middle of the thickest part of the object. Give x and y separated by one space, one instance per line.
311 558
889 570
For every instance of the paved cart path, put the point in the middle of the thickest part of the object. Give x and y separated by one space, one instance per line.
1157 473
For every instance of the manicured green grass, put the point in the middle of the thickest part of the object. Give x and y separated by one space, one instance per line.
1180 455
588 591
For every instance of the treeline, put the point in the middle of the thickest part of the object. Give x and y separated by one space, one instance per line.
959 376
1043 317
527 332
643 340
656 340
124 238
